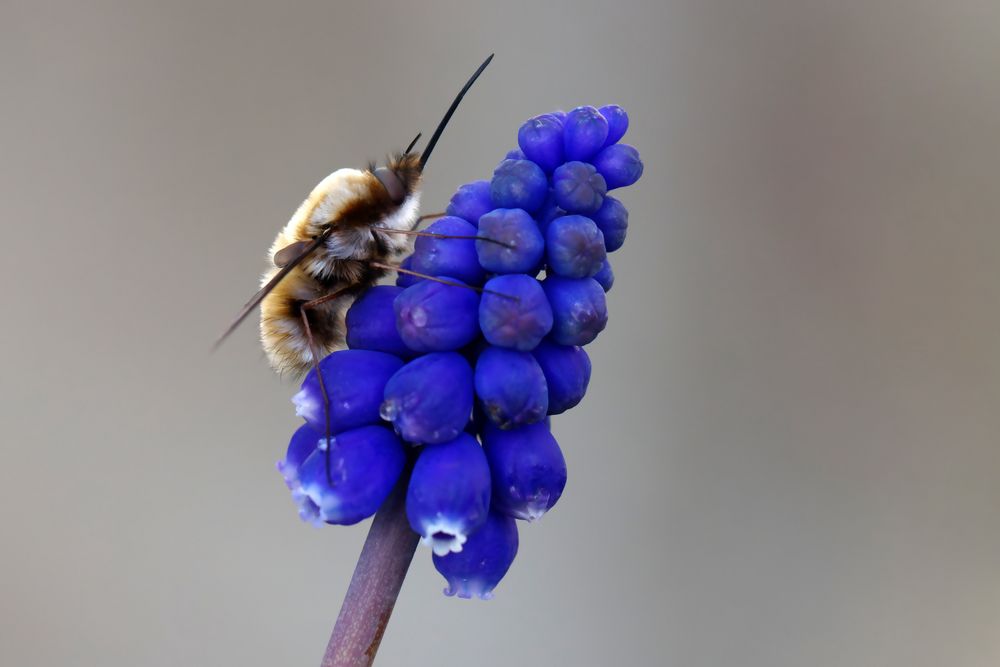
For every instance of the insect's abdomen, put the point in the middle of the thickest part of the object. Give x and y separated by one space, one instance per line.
282 332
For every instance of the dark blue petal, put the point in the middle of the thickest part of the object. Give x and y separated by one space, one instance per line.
541 139
364 465
518 184
302 444
549 211
511 387
585 131
617 122
355 381
514 312
483 561
471 201
406 279
429 400
579 309
449 257
371 322
437 317
619 165
527 468
606 277
524 245
578 187
449 493
574 247
567 374
612 219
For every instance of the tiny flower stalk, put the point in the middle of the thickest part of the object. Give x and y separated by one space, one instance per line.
378 577
439 413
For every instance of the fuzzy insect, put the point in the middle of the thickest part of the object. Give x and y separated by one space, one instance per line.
345 236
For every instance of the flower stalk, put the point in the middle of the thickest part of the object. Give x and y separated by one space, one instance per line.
378 577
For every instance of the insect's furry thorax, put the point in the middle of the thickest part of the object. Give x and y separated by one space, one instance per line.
356 204
349 206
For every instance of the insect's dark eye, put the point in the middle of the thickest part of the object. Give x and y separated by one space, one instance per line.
390 180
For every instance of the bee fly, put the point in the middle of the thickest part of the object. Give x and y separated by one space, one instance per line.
344 237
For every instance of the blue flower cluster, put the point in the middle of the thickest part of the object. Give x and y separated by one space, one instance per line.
434 368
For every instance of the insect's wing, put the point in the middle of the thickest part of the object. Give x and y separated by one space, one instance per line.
255 300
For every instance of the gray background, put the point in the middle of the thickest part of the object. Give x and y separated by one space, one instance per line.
789 453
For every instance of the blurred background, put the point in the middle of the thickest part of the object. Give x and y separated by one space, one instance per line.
790 451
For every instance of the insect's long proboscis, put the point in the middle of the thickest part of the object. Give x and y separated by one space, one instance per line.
448 114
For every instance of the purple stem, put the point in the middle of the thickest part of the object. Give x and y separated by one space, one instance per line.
378 576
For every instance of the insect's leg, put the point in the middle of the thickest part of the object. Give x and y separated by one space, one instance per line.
288 263
336 294
435 235
428 216
319 375
443 281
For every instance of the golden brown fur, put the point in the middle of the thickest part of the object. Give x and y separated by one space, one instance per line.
356 204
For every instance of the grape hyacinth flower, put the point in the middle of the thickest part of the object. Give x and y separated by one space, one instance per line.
619 165
404 278
521 245
355 383
429 400
302 444
439 411
482 563
549 211
449 493
518 184
511 387
371 322
449 257
579 309
529 472
617 122
585 131
471 202
437 317
541 141
578 187
574 247
515 312
606 276
612 220
567 374
350 481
